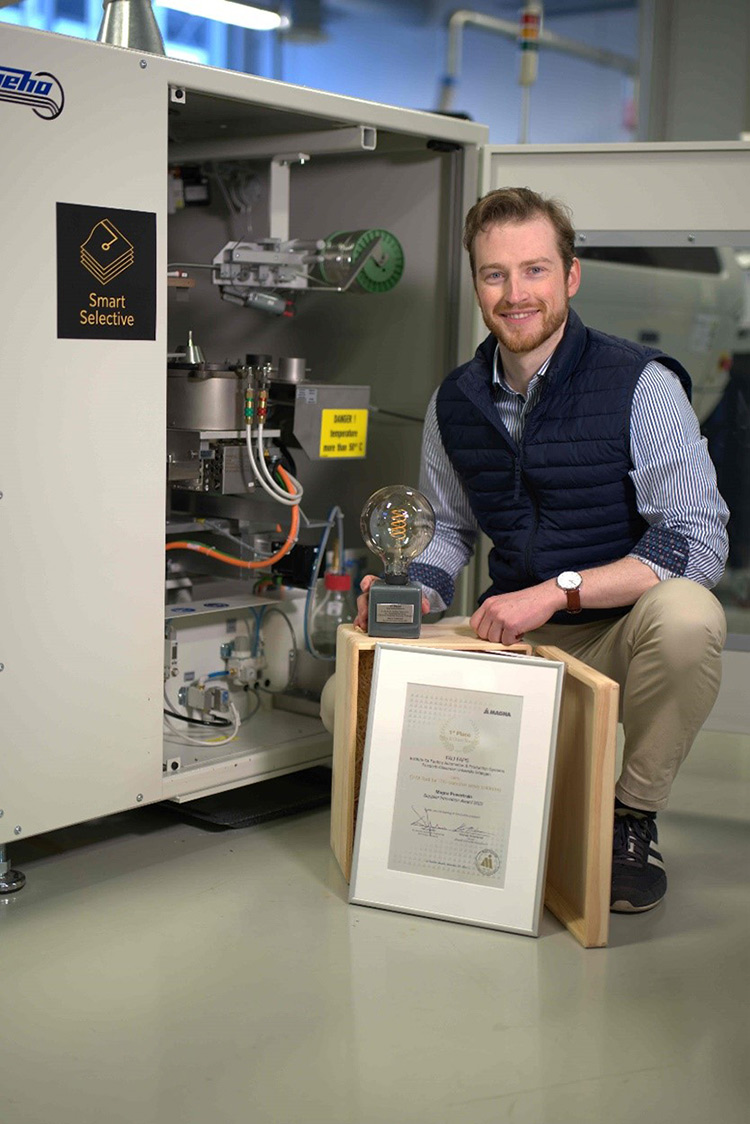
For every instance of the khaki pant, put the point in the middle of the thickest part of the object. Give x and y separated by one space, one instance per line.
666 656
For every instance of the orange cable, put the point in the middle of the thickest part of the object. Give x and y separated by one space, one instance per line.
262 563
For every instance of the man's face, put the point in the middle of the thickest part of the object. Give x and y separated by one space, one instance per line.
521 284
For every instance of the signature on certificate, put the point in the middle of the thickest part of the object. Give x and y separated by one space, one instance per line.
470 834
423 823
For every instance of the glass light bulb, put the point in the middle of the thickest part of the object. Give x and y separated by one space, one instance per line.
397 523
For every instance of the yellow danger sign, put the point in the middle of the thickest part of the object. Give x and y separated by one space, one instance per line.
343 433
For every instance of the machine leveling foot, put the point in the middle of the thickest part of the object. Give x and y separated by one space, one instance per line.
10 880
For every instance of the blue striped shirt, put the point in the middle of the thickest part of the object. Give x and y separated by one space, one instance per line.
673 476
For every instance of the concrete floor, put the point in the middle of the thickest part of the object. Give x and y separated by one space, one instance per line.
157 972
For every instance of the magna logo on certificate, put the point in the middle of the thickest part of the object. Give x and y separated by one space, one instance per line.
454 790
106 273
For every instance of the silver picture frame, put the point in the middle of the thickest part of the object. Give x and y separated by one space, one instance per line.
454 805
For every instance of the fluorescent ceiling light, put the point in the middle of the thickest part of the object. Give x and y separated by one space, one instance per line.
224 11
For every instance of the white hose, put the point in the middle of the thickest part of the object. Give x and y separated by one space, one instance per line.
337 514
264 478
299 490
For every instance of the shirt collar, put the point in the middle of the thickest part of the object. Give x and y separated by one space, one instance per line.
498 378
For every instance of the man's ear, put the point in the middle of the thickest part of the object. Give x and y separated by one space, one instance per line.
574 277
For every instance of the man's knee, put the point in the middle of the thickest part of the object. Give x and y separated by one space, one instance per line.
685 617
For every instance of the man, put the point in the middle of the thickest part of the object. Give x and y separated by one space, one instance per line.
579 455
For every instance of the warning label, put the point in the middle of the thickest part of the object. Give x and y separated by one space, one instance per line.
343 433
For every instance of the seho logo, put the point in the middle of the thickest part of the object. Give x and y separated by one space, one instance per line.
41 91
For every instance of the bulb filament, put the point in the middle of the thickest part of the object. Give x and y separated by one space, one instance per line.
398 523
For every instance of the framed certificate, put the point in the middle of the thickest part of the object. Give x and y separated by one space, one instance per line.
456 786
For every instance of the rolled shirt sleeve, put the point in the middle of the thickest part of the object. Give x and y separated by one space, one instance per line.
675 483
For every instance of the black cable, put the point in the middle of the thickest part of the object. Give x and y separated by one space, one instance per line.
394 414
287 458
256 696
197 721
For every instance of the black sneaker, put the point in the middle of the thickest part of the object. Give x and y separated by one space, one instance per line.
639 880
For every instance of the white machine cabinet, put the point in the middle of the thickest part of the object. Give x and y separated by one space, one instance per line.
97 133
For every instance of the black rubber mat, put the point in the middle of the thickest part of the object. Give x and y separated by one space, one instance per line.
258 803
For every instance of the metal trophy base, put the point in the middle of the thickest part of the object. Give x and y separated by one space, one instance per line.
395 610
10 880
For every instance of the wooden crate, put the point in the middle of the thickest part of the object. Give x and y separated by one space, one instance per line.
580 855
579 866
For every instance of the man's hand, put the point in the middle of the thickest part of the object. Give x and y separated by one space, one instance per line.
363 602
505 618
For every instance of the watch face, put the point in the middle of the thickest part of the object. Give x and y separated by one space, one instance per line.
569 580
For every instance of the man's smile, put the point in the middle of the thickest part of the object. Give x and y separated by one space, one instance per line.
521 315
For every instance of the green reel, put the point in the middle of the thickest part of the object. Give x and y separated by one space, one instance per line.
373 258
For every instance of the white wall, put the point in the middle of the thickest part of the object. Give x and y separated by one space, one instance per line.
696 76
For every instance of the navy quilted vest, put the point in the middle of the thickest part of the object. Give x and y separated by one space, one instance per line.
562 499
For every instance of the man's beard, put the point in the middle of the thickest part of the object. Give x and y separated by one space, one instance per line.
518 343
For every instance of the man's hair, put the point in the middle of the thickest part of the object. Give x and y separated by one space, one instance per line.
519 204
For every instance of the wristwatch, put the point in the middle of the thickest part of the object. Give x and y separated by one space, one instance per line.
570 583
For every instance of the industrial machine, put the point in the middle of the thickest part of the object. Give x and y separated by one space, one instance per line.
227 302
687 300
231 267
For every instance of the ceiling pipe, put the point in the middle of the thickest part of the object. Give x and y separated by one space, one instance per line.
508 29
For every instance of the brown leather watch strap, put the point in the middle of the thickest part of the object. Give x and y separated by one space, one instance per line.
574 600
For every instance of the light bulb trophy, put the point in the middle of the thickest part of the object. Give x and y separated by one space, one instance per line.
397 523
